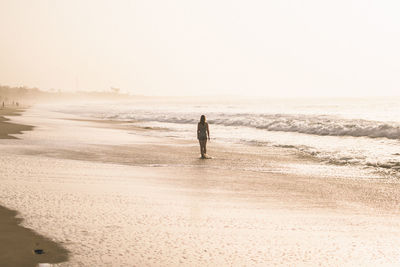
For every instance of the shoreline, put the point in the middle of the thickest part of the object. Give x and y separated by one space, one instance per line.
358 186
114 196
17 243
7 128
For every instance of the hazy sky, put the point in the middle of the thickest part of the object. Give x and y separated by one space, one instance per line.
172 47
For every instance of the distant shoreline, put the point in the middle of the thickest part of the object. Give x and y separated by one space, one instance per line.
7 129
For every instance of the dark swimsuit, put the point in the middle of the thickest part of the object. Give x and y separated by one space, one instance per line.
202 131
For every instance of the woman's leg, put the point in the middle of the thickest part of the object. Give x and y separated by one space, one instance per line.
205 147
202 147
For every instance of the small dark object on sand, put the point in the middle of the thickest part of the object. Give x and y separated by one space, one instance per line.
39 251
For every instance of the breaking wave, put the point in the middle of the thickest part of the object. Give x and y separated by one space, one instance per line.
306 124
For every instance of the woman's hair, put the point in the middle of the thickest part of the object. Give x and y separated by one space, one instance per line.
202 119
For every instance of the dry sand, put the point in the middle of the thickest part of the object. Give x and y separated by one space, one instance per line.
115 196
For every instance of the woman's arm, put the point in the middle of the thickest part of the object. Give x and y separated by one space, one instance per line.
198 131
208 132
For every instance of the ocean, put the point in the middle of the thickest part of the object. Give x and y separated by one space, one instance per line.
364 132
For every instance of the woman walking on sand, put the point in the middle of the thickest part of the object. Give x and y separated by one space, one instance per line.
203 133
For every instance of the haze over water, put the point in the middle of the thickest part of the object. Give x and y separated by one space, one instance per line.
271 48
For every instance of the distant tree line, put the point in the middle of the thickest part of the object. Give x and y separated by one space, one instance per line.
10 96
8 92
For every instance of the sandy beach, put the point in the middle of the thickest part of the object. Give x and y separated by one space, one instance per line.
113 195
18 244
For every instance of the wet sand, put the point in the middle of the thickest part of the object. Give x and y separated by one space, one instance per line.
116 196
7 128
17 243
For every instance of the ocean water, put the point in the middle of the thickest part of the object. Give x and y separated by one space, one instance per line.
363 132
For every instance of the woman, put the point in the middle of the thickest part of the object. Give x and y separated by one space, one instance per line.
202 134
